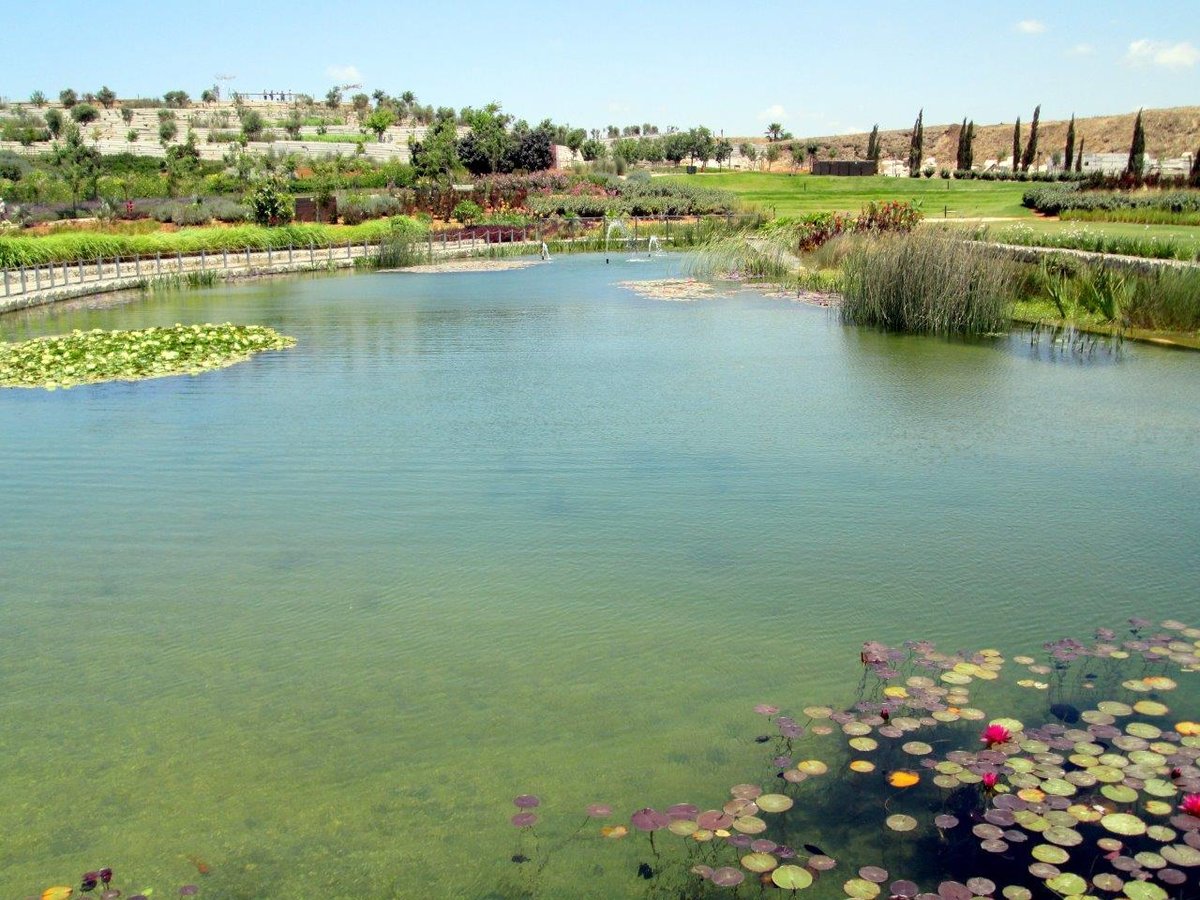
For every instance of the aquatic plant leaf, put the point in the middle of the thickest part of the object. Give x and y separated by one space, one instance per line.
862 765
901 822
861 889
1068 883
903 778
759 862
775 803
791 878
1123 824
727 876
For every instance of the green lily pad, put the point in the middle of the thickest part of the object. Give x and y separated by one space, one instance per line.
1119 793
1067 883
1048 853
1124 824
861 889
792 878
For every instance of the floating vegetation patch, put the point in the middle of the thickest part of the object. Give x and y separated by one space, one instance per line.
955 776
85 357
679 289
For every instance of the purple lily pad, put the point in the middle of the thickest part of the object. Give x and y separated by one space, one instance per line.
648 819
523 820
873 874
727 877
526 801
599 810
904 888
189 890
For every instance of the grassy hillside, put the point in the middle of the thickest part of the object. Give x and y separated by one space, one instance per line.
1169 132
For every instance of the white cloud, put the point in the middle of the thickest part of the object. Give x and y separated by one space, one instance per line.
344 74
1083 50
1159 53
773 113
1031 26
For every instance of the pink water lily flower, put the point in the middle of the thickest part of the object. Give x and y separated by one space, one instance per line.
995 734
989 779
1191 805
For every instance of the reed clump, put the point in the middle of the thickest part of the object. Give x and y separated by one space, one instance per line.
928 284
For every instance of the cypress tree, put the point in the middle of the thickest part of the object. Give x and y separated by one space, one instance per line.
1137 149
1194 175
1016 145
873 144
916 145
1069 152
960 156
1031 148
1079 158
969 157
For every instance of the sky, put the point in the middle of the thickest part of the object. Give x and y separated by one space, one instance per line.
817 68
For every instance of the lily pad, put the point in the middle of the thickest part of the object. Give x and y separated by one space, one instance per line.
775 803
759 862
1124 824
861 889
901 822
791 878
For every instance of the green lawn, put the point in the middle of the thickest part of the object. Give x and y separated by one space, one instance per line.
794 195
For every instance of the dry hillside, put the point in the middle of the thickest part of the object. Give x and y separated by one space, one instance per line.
1169 133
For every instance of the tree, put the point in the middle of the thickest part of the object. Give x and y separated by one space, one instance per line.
177 99
748 150
54 121
167 129
701 145
575 138
208 95
107 97
675 147
293 123
530 149
774 131
77 163
969 157
437 155
126 115
1030 156
960 154
67 98
83 113
1079 157
1194 174
811 149
873 144
771 154
1069 152
333 98
798 152
252 124
380 121
916 145
1137 149
132 135
483 150
38 99
1016 160
722 151
592 149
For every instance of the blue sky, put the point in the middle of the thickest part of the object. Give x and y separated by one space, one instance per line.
818 68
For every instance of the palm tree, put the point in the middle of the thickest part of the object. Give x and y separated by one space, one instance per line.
774 131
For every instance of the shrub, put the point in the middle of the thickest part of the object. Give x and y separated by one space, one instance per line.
467 211
84 113
270 204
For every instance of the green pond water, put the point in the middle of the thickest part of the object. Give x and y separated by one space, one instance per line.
315 619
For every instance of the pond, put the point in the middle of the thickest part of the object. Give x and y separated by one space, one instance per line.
305 626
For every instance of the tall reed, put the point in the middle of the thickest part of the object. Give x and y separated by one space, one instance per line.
927 283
